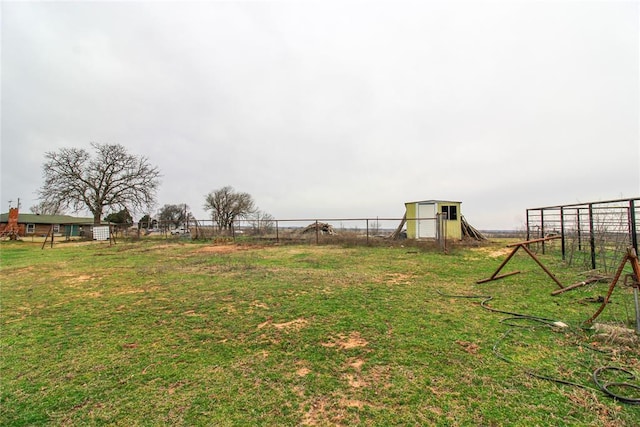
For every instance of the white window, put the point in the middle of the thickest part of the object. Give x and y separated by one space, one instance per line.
56 228
31 228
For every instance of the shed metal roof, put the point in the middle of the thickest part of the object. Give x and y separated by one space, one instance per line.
433 201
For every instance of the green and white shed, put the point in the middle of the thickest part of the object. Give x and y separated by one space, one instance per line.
430 219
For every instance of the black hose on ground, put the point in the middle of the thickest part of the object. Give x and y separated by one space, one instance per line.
605 387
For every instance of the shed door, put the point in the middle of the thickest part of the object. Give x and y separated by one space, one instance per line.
426 225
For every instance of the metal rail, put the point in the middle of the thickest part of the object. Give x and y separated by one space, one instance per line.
523 245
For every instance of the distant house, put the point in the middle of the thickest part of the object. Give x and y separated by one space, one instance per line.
432 219
41 225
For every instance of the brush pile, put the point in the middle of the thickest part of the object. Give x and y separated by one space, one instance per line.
321 227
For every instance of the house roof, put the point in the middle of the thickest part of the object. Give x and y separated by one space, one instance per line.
47 219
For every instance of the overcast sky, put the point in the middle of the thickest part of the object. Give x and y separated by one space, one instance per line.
333 109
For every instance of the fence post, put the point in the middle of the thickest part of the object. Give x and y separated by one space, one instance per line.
367 230
632 228
562 232
579 225
542 234
592 237
444 231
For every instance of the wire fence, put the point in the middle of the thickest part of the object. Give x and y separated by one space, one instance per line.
594 235
278 230
312 230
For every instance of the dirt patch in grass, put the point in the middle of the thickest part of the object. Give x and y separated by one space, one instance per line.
94 294
469 347
398 278
78 280
356 364
316 412
224 249
258 304
343 342
478 254
333 410
322 411
293 325
17 271
296 324
356 403
394 278
492 252
303 371
355 381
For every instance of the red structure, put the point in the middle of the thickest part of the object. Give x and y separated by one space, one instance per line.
12 230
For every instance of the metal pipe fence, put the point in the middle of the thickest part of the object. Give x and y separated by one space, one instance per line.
595 235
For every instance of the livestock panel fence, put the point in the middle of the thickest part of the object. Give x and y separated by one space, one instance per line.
594 235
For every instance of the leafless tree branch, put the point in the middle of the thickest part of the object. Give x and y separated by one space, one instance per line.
113 178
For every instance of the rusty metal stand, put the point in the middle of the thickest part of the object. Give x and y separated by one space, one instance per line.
576 285
523 245
635 298
632 258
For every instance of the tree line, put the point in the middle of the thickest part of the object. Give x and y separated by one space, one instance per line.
112 180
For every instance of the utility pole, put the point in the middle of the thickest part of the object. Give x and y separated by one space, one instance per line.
11 202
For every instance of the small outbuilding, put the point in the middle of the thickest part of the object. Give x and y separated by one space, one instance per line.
433 219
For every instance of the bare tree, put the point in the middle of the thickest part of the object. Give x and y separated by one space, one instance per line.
113 178
175 215
261 222
47 208
227 205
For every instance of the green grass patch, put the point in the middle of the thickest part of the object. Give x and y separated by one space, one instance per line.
181 333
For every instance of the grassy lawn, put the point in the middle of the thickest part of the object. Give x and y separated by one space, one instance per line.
181 333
